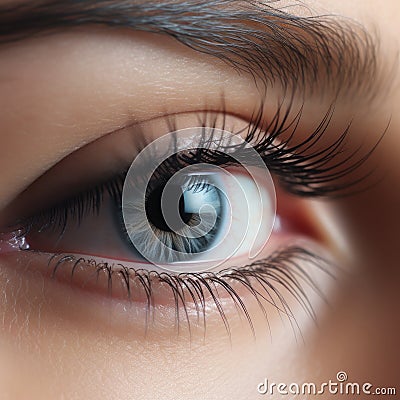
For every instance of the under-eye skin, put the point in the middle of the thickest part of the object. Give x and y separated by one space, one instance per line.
303 169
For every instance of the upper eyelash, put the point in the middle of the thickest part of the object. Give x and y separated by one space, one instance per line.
281 269
299 170
302 167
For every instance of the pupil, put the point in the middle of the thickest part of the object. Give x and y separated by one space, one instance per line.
154 212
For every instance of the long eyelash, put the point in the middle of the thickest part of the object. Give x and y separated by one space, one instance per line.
289 269
302 168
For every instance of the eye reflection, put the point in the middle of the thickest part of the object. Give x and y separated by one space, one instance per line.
220 194
196 205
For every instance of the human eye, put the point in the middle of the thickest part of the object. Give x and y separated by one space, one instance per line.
233 226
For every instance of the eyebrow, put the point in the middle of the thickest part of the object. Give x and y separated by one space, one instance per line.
254 37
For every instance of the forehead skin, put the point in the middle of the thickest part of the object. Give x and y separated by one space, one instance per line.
46 357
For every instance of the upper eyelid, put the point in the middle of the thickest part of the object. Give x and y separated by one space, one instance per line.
265 41
289 162
284 119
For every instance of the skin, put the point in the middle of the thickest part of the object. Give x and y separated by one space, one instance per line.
71 89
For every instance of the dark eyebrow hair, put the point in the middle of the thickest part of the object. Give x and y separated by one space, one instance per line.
253 36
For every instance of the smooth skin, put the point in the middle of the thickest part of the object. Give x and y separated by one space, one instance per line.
61 92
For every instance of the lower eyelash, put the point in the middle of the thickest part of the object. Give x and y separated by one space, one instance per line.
287 269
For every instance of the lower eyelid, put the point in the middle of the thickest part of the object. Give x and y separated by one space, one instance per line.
282 285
